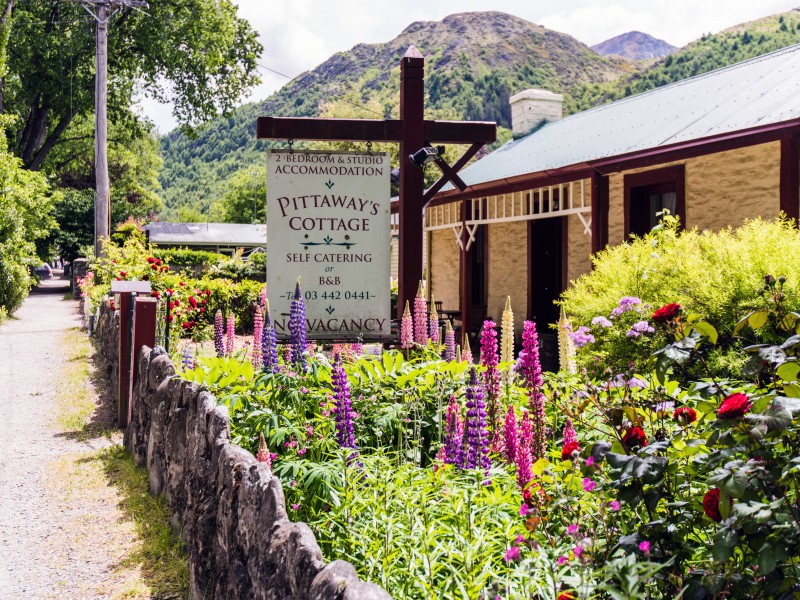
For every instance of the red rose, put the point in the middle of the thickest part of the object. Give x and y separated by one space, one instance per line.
734 406
171 318
186 324
154 267
169 291
192 301
666 313
171 304
208 292
566 453
685 415
123 274
711 505
155 294
151 260
634 438
182 284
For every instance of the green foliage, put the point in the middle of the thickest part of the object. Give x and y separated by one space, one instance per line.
197 54
718 276
74 213
25 205
236 268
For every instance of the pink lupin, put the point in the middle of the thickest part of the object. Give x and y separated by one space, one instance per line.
229 334
420 317
258 328
263 453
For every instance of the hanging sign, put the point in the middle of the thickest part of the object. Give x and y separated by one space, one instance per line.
328 223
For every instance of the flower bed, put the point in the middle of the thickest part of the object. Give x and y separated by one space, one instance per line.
440 478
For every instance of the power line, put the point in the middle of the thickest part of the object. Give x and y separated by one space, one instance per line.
374 112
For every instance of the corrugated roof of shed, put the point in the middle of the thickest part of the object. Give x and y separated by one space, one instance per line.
760 91
232 234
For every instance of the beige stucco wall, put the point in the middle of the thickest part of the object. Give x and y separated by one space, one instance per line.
722 189
508 270
579 248
444 266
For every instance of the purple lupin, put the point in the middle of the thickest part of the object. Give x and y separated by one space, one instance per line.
297 329
453 433
475 427
269 343
219 336
343 408
491 374
449 343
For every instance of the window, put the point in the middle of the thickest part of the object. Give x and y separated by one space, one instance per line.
650 192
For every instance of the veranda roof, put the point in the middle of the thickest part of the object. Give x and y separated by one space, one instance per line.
194 234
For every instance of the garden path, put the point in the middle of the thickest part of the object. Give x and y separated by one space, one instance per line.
56 540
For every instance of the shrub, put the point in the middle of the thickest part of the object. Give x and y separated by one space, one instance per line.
254 267
197 261
719 276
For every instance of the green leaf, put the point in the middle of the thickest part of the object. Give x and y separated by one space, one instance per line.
758 318
789 321
724 543
706 330
789 370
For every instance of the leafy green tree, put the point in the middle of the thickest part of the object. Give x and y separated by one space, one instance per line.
198 54
246 199
74 211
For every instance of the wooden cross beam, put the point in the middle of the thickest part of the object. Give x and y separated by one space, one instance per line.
412 132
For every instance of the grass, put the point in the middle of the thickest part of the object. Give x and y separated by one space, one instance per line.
160 555
107 504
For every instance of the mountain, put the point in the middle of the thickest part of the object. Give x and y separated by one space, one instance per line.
474 62
634 45
710 52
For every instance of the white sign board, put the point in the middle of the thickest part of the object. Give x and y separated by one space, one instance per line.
328 223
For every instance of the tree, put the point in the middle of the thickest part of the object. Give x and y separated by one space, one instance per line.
246 197
197 54
74 212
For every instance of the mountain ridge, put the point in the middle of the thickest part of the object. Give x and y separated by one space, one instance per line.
635 45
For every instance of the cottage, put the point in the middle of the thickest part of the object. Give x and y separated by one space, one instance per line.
715 149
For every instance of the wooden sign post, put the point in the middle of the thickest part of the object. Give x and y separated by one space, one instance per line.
412 132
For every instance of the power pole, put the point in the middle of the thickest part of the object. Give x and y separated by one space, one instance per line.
103 11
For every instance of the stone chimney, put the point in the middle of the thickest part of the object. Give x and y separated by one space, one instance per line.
530 107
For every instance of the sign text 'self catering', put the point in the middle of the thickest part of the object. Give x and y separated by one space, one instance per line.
328 223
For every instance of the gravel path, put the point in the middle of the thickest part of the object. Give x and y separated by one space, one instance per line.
56 540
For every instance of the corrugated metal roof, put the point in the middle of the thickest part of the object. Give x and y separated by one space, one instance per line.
193 234
760 91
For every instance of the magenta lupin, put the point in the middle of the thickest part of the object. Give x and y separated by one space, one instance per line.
523 456
531 370
511 434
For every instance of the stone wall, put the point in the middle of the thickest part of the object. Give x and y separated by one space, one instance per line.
229 509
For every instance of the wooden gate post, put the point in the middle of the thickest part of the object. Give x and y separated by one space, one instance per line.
144 334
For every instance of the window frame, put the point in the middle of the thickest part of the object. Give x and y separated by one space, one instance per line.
675 175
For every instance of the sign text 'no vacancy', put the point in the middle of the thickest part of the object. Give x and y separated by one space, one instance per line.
328 223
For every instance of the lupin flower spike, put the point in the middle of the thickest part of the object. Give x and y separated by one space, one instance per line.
407 329
449 343
420 317
566 347
507 333
511 434
344 409
475 428
523 455
219 336
230 334
297 328
258 328
434 322
263 453
269 343
466 352
531 370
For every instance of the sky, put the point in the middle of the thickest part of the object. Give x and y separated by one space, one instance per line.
298 35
